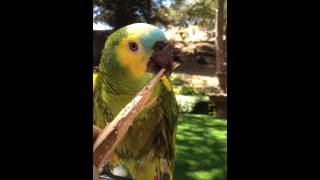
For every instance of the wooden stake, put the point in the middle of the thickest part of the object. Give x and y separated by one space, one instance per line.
96 132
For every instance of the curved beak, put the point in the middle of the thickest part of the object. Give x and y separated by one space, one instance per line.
161 57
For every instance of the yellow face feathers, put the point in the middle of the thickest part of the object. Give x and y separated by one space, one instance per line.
135 61
134 50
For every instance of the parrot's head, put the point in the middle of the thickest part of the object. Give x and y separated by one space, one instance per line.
137 49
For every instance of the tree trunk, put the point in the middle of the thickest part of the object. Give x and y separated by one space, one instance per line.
220 45
220 99
149 11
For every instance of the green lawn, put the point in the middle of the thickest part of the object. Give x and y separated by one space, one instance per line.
201 148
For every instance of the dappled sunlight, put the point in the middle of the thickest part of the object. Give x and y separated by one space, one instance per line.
201 148
191 33
198 81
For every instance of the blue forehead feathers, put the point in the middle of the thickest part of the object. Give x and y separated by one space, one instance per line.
151 38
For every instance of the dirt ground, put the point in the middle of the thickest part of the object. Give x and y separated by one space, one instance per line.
193 66
197 62
198 71
198 81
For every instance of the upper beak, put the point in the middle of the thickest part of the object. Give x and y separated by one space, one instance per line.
161 57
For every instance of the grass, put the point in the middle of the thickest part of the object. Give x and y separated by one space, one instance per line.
201 148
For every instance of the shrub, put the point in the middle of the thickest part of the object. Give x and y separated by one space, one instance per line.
194 104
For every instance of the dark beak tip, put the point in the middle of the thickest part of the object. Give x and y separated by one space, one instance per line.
162 57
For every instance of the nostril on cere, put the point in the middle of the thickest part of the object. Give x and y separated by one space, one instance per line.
160 45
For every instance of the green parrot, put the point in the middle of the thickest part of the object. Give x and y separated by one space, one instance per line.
130 59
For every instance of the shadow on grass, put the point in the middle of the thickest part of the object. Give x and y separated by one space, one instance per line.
201 148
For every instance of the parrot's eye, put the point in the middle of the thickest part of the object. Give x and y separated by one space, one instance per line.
133 46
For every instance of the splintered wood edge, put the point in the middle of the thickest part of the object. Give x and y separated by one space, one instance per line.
111 135
175 65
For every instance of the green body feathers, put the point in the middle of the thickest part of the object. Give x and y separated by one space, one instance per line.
147 150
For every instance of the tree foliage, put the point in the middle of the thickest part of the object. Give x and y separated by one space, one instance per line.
199 12
174 12
120 13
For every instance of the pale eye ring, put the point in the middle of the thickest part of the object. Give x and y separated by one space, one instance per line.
133 46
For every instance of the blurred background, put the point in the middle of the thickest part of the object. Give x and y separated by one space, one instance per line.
197 31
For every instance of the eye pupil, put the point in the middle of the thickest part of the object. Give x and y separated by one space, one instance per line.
133 46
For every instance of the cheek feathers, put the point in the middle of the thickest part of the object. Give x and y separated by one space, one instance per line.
135 62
